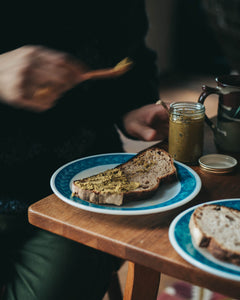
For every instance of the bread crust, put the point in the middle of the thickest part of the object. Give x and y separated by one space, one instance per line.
97 197
225 255
200 239
208 241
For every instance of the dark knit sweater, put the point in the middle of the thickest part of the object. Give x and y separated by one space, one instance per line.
101 33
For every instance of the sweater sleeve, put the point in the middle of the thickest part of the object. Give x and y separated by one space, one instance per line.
126 38
140 85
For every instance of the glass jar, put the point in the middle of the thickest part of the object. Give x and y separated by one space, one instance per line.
186 124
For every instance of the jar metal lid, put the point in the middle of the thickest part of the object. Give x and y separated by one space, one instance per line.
217 163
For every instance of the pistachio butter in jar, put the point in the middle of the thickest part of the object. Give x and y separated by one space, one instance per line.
186 124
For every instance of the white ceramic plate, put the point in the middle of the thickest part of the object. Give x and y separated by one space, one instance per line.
168 196
180 238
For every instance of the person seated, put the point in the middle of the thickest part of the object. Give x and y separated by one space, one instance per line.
51 115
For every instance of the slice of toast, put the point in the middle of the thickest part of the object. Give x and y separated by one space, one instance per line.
136 179
218 229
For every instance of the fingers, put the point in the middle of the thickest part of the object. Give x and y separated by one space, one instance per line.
37 106
148 133
149 122
59 64
35 77
50 80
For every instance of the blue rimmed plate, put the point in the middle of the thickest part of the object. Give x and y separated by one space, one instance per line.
169 195
180 238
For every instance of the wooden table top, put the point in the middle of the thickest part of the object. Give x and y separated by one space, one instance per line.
141 239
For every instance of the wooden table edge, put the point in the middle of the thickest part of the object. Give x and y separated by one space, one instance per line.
215 283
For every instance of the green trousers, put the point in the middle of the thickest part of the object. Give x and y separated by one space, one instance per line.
38 265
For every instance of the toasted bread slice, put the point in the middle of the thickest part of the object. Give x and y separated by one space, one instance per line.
136 179
218 229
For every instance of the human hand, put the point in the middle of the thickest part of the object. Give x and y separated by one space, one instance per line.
149 122
34 77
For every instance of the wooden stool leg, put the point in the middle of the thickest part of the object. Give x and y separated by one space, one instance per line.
142 283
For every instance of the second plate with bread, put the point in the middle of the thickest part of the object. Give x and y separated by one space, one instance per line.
203 234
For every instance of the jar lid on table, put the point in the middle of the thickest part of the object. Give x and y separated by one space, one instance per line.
217 163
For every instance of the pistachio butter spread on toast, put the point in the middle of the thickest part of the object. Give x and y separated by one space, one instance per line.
136 179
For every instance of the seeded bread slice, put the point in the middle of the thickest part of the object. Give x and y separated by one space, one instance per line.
218 229
136 179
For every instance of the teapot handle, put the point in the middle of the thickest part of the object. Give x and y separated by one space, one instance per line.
206 92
